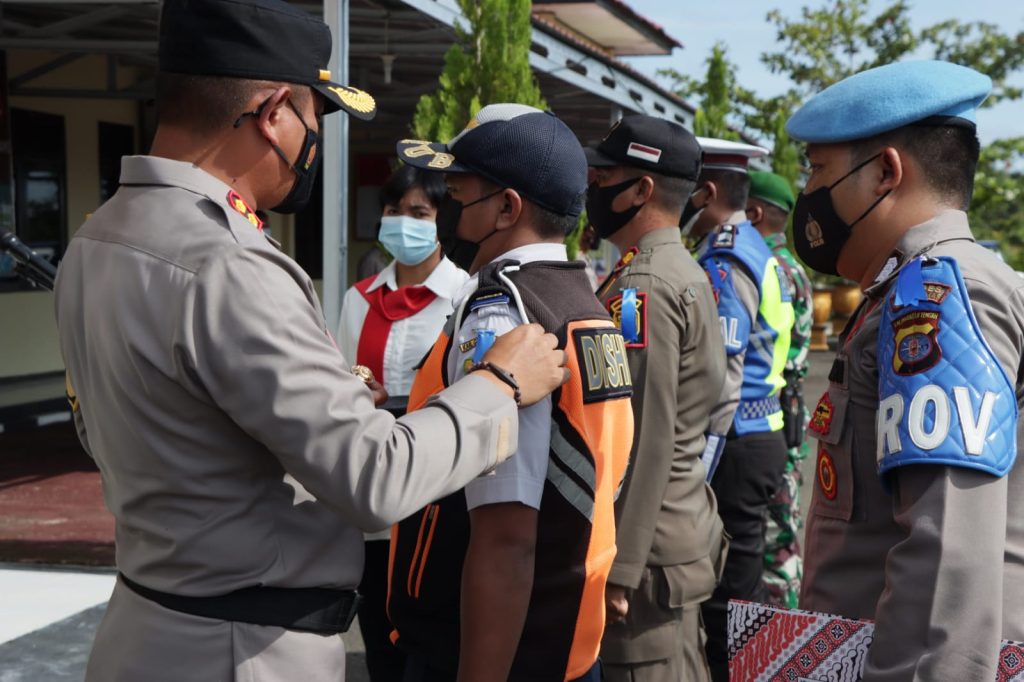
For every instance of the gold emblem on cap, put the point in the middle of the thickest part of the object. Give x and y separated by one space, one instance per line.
355 99
420 148
325 74
417 149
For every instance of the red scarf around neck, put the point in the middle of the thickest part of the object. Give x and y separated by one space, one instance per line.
386 308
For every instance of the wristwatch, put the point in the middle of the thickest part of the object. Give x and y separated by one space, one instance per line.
506 377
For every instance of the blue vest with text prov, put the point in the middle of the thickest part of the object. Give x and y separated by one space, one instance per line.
943 396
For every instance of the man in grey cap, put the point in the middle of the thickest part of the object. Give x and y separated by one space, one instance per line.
239 455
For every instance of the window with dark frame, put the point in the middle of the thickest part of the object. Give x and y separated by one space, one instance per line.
116 140
39 151
40 178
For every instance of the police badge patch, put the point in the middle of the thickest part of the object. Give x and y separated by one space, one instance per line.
826 473
916 342
821 420
639 316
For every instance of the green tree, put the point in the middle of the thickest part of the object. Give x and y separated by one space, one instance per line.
996 211
726 108
841 37
488 63
717 93
825 43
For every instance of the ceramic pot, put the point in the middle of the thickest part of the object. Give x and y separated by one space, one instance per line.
822 305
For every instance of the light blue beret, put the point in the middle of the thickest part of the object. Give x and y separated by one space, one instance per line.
888 97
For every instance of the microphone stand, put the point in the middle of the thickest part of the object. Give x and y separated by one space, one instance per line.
29 265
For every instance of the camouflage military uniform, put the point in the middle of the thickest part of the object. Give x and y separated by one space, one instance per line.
782 559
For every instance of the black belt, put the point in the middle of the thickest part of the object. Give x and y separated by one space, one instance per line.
308 609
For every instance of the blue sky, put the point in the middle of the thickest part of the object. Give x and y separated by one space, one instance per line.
742 26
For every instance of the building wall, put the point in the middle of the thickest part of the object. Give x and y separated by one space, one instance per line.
28 333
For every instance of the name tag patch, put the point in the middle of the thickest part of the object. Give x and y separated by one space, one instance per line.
604 370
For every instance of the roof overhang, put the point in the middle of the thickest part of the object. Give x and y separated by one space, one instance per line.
609 25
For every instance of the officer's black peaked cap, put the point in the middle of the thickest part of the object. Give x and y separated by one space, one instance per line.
258 40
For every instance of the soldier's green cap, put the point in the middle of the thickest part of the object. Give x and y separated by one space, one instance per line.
773 189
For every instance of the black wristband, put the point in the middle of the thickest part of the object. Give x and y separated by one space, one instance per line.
506 377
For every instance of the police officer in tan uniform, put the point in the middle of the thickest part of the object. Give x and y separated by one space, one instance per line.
917 518
669 537
239 455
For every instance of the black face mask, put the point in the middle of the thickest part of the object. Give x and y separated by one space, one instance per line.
305 169
691 212
599 207
819 234
460 251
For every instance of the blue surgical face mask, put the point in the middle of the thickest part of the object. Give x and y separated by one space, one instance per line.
409 240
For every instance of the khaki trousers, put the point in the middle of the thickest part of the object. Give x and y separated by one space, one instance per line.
662 638
141 640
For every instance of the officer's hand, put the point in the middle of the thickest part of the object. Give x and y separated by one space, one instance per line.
615 603
380 395
531 356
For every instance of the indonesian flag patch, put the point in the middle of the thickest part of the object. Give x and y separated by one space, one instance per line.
643 152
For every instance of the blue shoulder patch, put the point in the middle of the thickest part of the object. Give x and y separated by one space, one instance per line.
943 396
732 315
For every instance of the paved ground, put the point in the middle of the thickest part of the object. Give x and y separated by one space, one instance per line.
51 512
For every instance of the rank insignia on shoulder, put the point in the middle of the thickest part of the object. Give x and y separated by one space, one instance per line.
916 342
488 300
629 313
936 292
725 238
821 420
827 480
236 202
627 258
604 369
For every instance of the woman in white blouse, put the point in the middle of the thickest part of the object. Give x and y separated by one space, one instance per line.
388 323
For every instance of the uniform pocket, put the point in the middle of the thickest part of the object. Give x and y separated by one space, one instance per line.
691 583
833 467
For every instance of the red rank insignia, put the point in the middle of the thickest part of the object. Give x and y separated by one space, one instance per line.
821 420
626 259
827 480
916 344
236 202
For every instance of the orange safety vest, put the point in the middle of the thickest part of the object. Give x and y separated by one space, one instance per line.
590 443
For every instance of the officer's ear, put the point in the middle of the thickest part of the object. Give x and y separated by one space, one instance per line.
705 195
510 210
643 190
890 170
272 113
755 214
